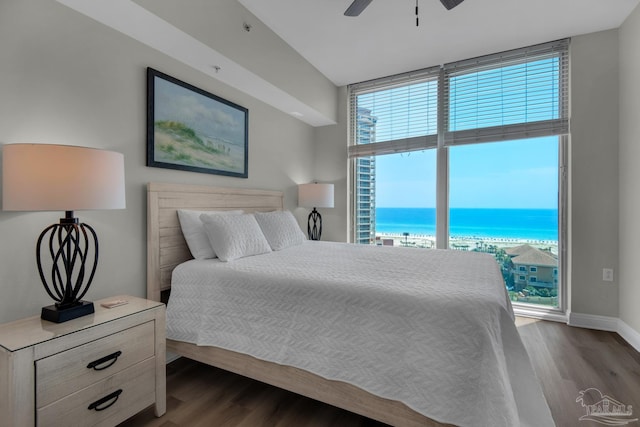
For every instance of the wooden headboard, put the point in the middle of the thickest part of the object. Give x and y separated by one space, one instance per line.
166 247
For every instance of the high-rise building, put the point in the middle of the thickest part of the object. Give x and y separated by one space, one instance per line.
365 179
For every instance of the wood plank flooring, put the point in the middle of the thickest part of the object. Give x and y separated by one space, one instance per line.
566 361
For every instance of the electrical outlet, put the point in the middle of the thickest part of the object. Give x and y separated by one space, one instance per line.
607 274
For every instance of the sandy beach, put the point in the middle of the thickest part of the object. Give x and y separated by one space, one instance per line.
467 243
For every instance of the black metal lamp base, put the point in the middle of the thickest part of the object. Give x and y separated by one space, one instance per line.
70 244
56 315
314 225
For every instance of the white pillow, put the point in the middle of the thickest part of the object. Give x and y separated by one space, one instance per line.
234 236
194 233
280 228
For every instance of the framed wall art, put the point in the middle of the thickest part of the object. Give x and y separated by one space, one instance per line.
193 130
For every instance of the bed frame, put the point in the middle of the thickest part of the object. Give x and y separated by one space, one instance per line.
166 248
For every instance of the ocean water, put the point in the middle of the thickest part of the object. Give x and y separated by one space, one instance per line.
533 224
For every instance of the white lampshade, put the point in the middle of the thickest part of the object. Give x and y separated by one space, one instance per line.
45 177
315 195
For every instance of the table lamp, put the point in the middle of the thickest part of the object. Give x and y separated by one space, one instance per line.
315 196
45 177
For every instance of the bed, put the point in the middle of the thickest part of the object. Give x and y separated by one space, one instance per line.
491 383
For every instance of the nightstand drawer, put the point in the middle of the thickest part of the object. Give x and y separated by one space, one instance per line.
107 402
74 369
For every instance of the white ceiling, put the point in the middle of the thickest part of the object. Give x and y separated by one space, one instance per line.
384 39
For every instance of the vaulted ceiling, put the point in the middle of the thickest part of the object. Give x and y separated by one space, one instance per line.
385 40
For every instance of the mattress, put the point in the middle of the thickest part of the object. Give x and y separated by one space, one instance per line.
433 329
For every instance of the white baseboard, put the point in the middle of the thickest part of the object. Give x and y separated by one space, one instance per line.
606 323
629 334
592 321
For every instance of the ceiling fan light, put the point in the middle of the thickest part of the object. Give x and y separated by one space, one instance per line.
450 4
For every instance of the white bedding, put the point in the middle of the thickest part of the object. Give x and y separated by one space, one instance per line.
433 329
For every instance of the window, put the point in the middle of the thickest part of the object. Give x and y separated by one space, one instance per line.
406 198
467 156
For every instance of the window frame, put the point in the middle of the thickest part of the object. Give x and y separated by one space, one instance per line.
445 138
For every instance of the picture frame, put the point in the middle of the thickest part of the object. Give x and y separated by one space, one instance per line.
193 130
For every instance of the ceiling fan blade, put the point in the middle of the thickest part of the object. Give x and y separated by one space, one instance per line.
450 4
357 7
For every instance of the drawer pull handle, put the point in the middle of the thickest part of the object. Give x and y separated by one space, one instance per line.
113 357
96 405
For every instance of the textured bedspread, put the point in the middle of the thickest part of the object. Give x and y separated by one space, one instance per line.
433 329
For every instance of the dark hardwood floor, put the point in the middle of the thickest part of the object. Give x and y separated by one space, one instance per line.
567 360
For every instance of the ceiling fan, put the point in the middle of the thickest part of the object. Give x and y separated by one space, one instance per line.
359 5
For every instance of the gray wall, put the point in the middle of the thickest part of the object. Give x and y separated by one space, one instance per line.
331 165
67 79
629 170
593 220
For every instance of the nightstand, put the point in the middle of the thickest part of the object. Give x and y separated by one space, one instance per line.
98 369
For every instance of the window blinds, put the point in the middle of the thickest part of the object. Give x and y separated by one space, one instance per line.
395 114
510 95
521 93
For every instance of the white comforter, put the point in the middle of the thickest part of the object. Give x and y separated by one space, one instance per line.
433 329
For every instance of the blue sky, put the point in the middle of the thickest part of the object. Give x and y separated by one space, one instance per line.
514 174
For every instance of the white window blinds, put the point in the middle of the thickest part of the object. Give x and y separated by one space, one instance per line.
510 95
395 114
521 93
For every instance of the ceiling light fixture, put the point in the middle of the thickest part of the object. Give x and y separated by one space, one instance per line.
358 6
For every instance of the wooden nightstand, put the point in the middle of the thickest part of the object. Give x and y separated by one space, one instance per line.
99 369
